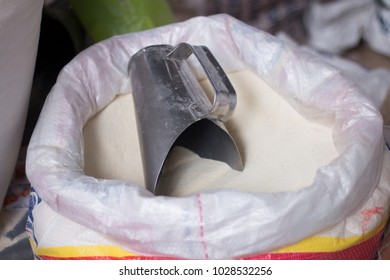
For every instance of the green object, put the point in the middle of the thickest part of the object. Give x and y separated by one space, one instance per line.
103 19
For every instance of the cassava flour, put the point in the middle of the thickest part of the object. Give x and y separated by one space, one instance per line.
281 149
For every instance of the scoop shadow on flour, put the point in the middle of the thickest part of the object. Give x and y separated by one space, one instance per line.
207 140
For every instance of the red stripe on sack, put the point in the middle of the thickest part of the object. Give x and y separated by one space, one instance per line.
201 228
136 258
367 250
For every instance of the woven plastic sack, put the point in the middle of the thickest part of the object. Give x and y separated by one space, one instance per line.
207 224
357 237
19 33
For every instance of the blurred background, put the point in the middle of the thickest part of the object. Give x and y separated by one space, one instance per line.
352 34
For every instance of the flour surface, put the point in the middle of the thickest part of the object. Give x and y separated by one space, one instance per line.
281 150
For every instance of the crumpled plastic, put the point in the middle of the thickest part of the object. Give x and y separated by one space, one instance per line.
340 25
374 82
214 224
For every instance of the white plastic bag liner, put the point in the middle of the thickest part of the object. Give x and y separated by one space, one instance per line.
19 34
214 224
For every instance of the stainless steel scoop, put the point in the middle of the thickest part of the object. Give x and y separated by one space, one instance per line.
172 108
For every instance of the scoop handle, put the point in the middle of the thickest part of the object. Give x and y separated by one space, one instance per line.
224 98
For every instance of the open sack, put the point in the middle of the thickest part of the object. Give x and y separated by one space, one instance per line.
78 216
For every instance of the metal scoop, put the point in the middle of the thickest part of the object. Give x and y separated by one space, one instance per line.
172 108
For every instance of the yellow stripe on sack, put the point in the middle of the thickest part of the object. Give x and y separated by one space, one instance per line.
84 252
328 244
32 244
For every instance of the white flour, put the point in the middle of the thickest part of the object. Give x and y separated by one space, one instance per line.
281 149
